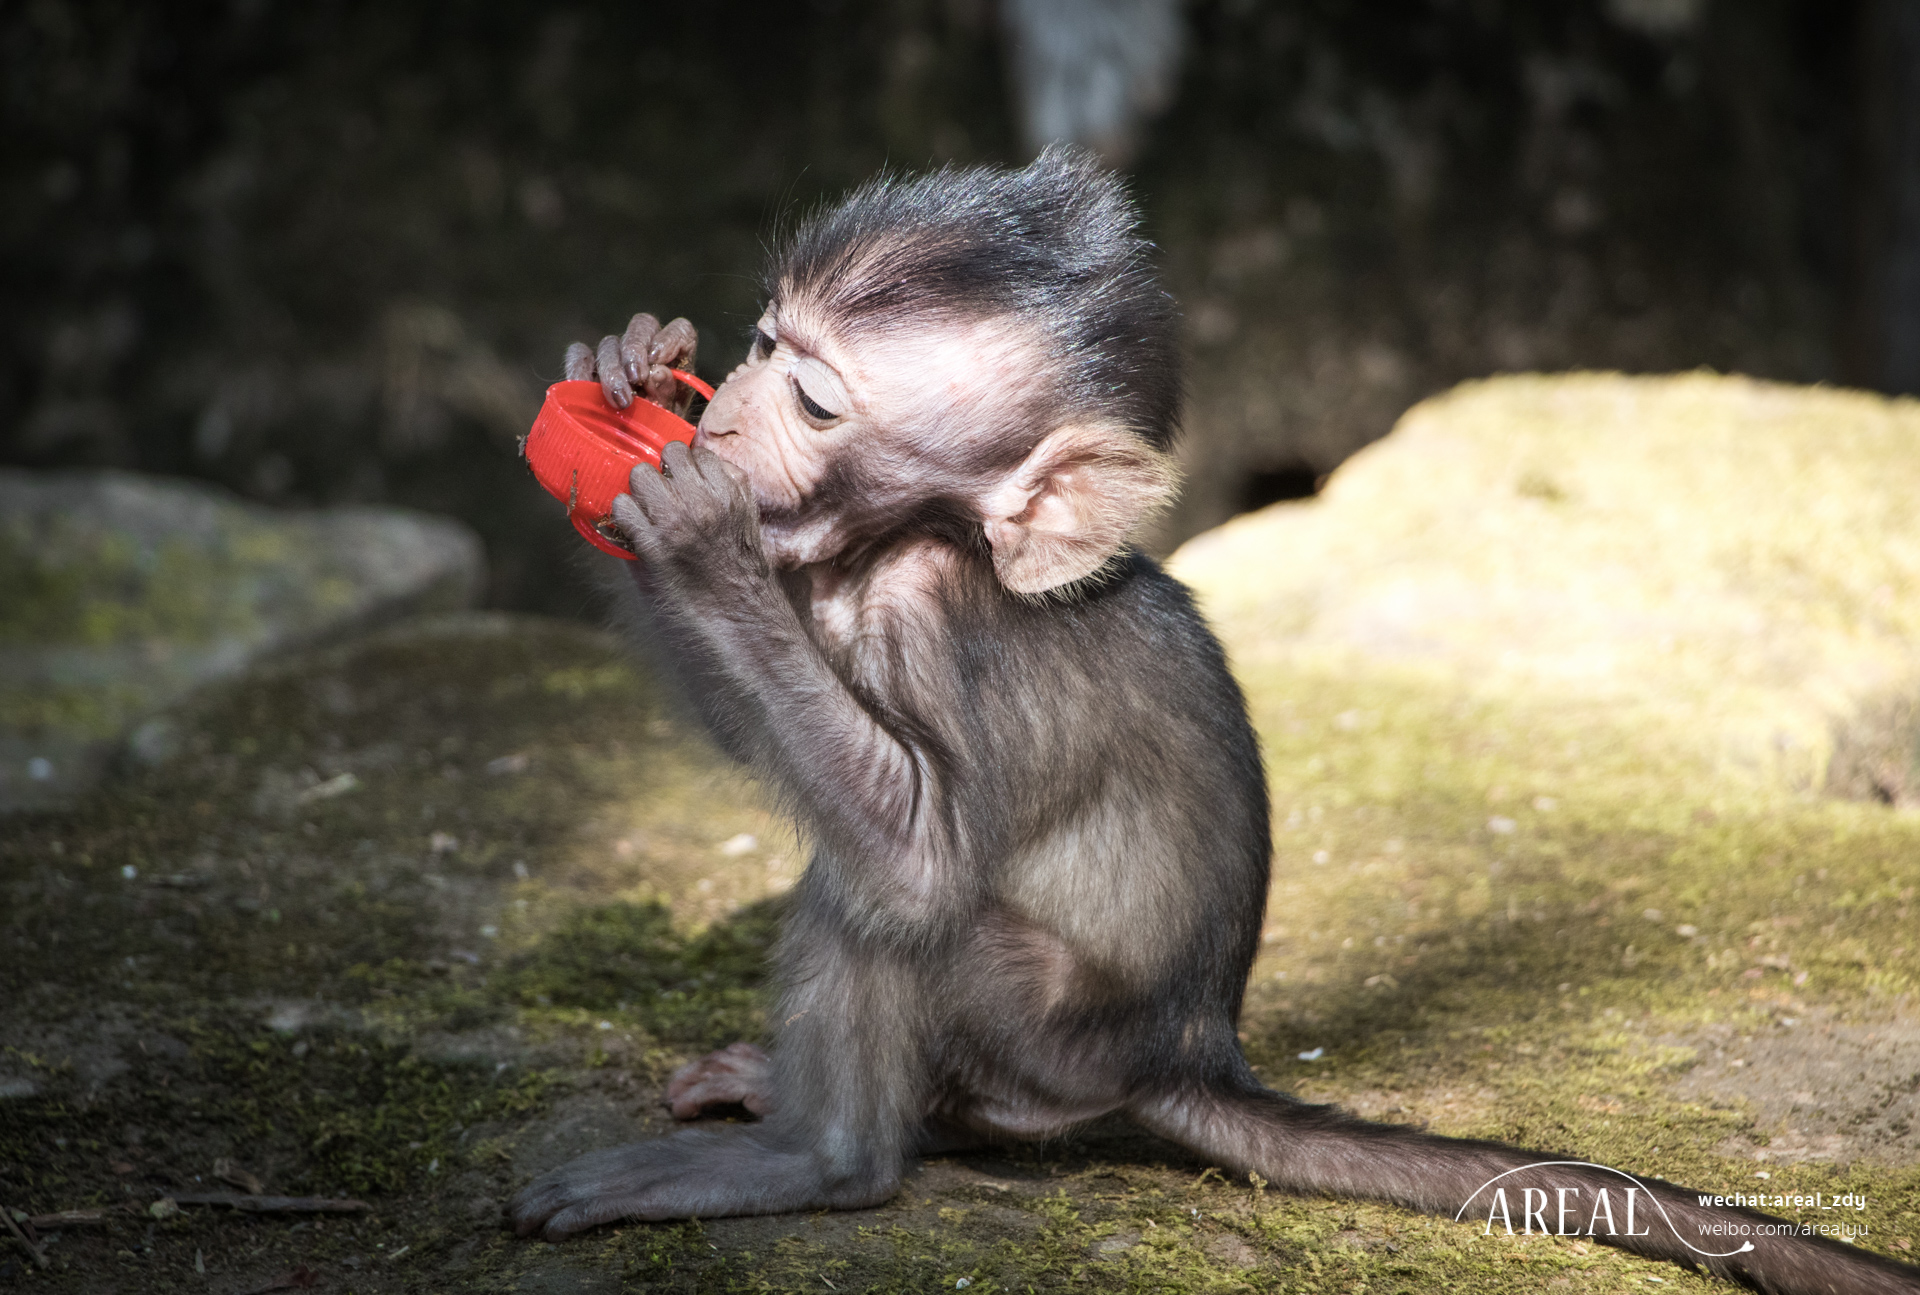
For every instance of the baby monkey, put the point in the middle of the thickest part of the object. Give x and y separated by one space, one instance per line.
893 572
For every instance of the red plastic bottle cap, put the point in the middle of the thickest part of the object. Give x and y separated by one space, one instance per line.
582 450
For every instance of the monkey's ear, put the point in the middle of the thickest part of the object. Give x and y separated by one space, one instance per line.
1070 506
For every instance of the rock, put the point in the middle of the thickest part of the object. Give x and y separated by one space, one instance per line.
119 594
1233 1251
1735 563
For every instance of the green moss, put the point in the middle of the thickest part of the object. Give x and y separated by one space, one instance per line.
634 960
89 587
1426 955
338 1114
359 1116
85 712
1499 846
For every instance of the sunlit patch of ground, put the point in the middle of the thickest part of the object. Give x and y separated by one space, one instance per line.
421 917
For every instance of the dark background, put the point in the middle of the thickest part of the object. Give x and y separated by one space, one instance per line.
332 252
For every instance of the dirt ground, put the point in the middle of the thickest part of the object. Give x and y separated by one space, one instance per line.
411 920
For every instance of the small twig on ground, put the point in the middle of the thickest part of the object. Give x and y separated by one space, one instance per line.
39 1255
275 1204
66 1219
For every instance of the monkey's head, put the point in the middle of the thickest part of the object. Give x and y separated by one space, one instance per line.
977 355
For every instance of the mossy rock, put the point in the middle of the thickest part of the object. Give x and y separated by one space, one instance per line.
1731 566
120 593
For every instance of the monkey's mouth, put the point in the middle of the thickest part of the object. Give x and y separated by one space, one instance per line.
773 505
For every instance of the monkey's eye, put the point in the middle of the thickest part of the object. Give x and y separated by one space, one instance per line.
812 407
818 390
762 343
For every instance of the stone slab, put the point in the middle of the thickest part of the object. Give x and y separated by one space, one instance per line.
120 593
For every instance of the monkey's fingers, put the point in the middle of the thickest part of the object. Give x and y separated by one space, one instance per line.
636 345
579 362
716 473
649 502
663 388
674 345
633 520
673 348
699 470
613 376
676 462
597 1188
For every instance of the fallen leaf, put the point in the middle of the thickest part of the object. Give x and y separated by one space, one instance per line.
228 1172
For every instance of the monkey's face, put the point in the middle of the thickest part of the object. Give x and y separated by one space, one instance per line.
785 414
845 437
836 437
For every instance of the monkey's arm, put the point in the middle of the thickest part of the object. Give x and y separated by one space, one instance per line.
637 363
877 793
675 650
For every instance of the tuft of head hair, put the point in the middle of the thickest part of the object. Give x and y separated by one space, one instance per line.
1054 245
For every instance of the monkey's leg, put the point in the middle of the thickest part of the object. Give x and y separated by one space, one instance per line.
1304 1148
848 1067
740 1074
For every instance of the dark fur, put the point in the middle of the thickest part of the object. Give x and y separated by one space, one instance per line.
1040 824
1055 245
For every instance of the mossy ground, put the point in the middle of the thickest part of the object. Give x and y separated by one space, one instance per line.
415 918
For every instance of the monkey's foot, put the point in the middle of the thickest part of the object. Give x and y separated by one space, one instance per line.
739 1074
700 1173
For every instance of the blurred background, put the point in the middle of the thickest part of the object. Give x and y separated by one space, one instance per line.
332 252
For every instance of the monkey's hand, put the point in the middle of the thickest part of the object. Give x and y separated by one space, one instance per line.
638 360
694 522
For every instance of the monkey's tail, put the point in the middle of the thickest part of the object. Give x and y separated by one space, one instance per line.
1298 1147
